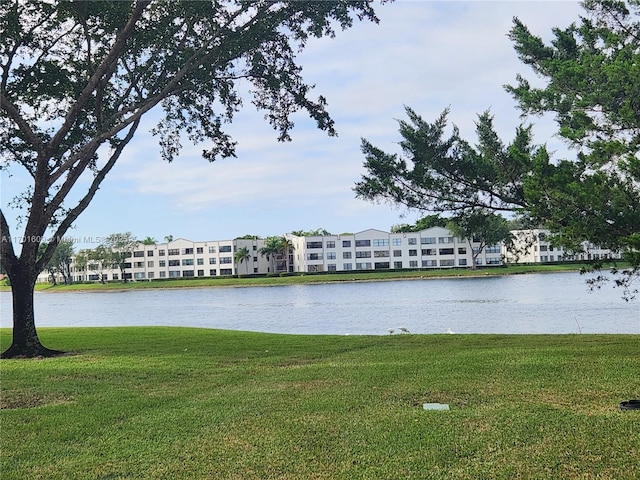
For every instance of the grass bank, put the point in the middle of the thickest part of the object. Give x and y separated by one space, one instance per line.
297 279
178 403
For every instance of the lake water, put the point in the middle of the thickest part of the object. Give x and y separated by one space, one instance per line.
533 303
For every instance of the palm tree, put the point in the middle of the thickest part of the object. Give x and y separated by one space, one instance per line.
271 249
287 248
149 241
275 248
242 255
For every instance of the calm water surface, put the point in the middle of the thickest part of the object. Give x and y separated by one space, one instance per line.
533 303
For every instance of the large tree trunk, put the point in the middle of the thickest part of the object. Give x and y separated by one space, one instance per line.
26 343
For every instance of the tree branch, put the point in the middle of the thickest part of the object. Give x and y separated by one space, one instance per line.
22 124
105 68
84 202
7 252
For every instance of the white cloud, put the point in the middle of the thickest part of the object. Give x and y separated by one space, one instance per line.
424 54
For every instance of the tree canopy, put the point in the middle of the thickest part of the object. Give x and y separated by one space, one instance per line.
591 77
78 77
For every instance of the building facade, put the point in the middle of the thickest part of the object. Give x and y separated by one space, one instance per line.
536 246
180 258
371 249
367 250
378 250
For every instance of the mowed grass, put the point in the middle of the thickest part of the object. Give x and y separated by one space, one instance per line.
180 403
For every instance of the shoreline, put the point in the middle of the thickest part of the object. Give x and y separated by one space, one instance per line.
302 279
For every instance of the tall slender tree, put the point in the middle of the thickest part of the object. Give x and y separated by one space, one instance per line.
591 82
77 78
243 255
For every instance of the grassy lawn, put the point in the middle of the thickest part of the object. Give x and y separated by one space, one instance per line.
179 403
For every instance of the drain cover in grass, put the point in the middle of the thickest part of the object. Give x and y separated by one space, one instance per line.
630 405
435 406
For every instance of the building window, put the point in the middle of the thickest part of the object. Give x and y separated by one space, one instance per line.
397 242
188 273
163 274
331 244
225 249
381 253
212 261
200 261
174 274
138 265
462 251
201 273
363 266
139 253
199 250
429 263
381 242
150 253
225 260
495 249
162 263
379 265
212 249
174 263
187 261
446 251
493 261
346 266
150 264
397 265
413 253
226 271
346 243
150 275
331 255
428 240
413 264
174 251
397 253
161 253
138 275
447 263
462 262
428 251
331 267
346 255
314 244
212 272
365 254
314 256
412 241
363 243
445 239
187 251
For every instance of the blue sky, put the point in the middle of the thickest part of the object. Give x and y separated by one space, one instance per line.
423 54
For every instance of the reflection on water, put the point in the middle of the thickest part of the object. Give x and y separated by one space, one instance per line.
535 303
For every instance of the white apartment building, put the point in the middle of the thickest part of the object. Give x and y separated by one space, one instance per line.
378 250
181 258
368 250
535 246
